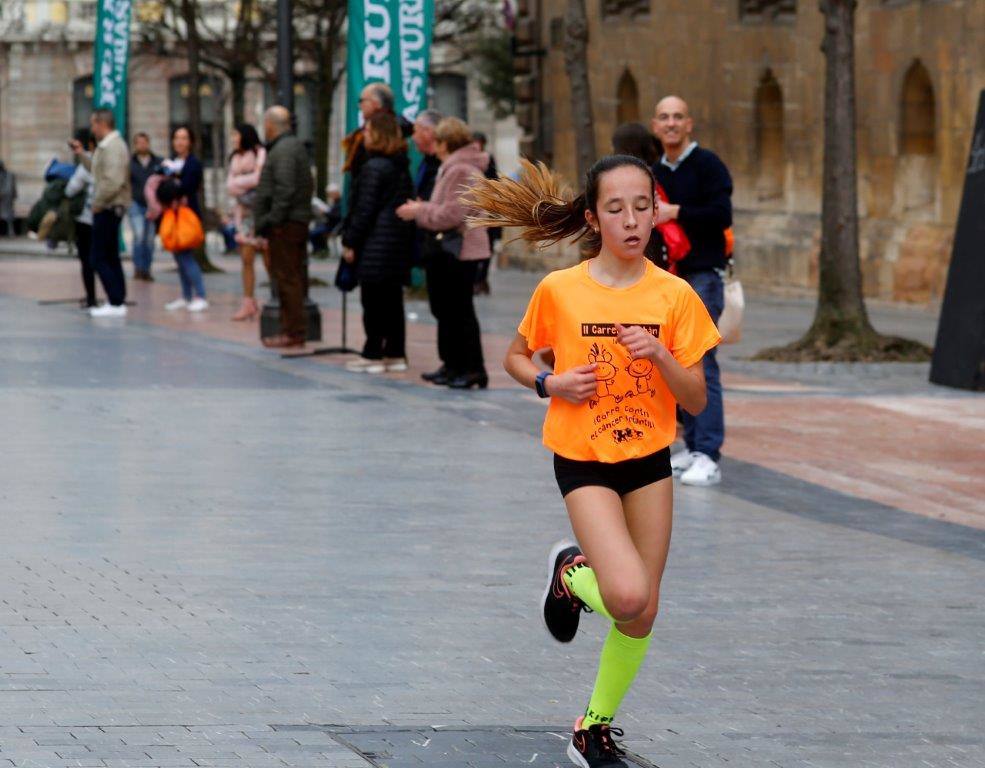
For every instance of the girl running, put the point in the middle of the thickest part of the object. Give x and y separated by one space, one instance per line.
627 340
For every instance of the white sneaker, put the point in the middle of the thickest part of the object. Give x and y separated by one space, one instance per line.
681 461
198 304
364 365
108 310
703 471
395 364
174 306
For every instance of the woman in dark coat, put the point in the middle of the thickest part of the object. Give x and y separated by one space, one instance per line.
379 244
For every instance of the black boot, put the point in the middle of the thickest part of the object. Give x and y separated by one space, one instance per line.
439 377
468 380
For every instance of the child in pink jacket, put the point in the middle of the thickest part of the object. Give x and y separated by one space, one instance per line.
245 165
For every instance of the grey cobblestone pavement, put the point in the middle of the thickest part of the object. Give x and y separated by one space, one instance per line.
212 557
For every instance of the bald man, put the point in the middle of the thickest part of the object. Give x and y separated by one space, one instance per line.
699 189
282 212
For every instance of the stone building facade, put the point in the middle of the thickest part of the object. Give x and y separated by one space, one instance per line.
46 64
753 74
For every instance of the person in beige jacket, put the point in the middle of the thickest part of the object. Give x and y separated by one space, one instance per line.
110 167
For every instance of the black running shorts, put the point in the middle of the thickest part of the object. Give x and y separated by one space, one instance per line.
623 477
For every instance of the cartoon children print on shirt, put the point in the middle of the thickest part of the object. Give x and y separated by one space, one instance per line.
618 418
605 373
641 369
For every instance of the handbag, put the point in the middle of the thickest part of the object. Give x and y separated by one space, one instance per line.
450 242
346 278
730 321
180 229
675 238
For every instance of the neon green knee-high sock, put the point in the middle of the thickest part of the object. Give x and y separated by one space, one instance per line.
581 580
618 665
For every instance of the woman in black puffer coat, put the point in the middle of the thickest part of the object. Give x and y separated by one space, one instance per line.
380 244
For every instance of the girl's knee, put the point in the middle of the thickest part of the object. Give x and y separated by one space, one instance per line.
628 603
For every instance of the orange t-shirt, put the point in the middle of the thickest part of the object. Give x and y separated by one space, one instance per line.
633 413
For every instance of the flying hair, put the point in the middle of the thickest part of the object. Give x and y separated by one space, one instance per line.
537 202
540 205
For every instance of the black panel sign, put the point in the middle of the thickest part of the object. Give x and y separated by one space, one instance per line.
959 354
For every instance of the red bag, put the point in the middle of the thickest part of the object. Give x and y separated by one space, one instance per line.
180 229
675 238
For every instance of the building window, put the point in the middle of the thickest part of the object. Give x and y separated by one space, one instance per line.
210 146
305 109
918 119
448 94
628 99
767 10
769 138
557 32
82 91
625 7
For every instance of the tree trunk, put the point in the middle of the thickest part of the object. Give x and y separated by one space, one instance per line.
840 306
841 330
237 82
323 107
576 64
188 15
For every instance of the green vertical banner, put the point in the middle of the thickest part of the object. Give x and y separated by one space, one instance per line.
112 53
389 41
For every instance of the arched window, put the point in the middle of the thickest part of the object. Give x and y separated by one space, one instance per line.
918 120
769 137
209 147
81 102
628 99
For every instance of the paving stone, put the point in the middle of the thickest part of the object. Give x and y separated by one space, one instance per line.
214 555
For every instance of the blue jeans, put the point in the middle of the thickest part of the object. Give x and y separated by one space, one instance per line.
143 237
705 432
190 274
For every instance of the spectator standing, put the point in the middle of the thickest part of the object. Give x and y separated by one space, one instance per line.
494 233
452 252
110 167
327 216
379 244
427 173
143 163
186 169
699 188
282 212
375 97
81 183
245 165
423 136
8 196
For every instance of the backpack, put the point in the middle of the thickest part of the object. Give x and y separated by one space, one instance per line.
180 229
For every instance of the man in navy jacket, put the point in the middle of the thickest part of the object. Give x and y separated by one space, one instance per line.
699 188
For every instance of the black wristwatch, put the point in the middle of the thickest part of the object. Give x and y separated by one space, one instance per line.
541 383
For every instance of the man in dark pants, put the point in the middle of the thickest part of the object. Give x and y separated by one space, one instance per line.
427 173
281 215
110 168
699 189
